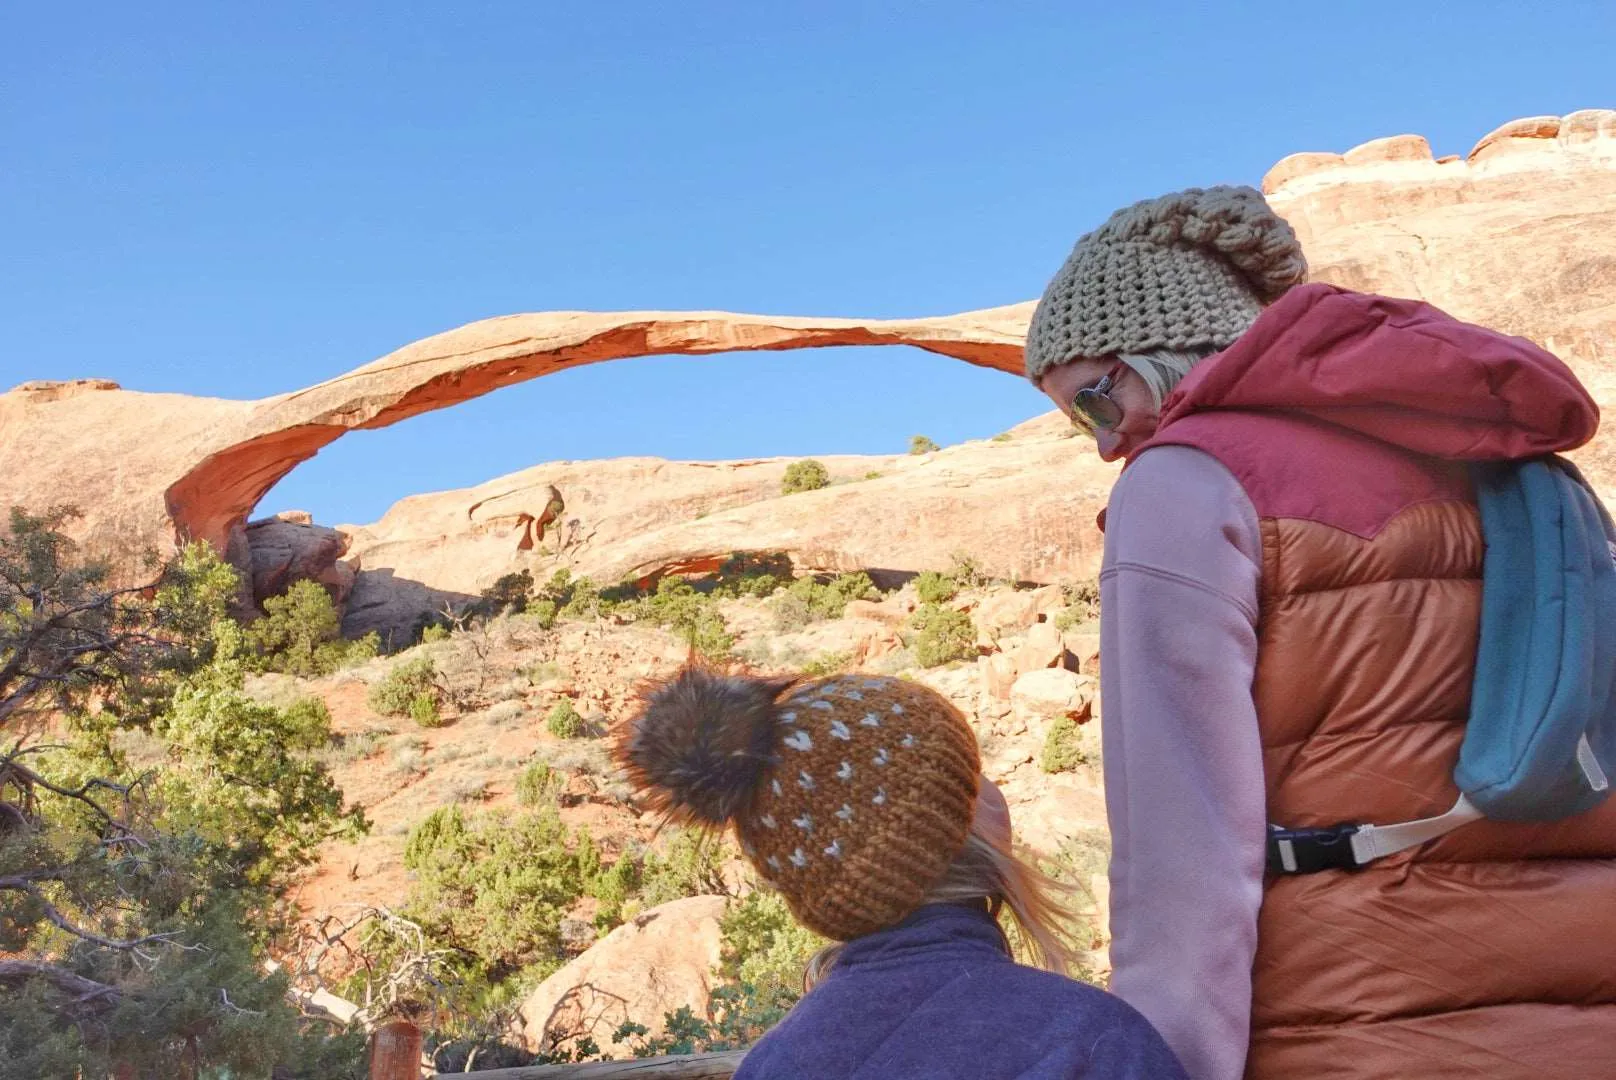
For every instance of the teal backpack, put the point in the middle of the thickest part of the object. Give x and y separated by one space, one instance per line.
1540 743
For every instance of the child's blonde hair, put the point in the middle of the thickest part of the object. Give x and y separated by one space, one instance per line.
1036 902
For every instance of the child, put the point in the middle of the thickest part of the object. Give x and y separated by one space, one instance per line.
860 800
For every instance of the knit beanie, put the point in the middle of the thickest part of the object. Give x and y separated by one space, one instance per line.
1182 271
851 795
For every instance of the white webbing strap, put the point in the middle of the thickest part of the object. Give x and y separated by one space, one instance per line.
1372 842
1589 763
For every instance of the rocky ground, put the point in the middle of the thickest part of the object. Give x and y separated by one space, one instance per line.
1028 673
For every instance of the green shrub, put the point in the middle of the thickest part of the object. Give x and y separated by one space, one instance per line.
921 444
543 612
434 631
1063 750
538 785
828 663
564 721
494 884
692 615
1003 436
424 710
807 475
542 672
944 635
1082 606
934 588
507 595
762 945
873 474
806 600
692 865
397 691
581 598
300 634
756 574
966 571
613 887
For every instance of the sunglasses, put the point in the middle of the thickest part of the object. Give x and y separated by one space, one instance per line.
1093 409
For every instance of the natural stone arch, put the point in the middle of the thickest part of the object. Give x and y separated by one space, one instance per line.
214 495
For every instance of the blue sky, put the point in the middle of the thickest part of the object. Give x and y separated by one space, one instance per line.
238 200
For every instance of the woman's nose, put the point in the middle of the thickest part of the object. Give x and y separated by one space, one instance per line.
1110 444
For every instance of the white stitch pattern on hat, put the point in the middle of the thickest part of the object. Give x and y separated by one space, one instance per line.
871 720
835 849
805 781
845 772
805 823
798 740
838 730
798 859
767 821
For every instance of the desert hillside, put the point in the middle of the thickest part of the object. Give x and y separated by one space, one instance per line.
456 667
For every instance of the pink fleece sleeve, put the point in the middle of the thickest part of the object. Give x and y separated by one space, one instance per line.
1183 763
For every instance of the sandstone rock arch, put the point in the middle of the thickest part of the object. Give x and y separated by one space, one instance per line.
151 469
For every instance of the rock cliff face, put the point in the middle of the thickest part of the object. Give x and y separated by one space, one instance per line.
1023 506
1519 234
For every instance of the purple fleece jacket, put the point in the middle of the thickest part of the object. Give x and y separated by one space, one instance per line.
936 998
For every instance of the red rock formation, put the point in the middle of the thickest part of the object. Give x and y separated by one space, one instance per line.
1521 235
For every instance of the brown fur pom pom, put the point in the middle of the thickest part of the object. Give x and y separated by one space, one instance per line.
702 743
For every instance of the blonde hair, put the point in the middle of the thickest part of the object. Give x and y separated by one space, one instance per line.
1163 369
984 871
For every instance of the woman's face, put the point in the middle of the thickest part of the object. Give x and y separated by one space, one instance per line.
1128 390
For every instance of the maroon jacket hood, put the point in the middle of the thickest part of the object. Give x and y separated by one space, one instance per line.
1397 370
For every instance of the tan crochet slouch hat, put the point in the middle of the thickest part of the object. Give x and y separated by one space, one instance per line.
850 795
1182 271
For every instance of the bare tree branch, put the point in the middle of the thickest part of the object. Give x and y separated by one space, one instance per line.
87 996
63 923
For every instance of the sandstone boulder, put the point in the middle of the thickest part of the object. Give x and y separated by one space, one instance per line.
1084 646
290 547
640 971
1051 693
1005 613
1042 647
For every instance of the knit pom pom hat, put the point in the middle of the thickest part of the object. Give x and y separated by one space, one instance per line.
850 795
1183 271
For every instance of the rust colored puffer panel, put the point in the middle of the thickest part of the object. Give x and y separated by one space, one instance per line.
1490 953
1366 656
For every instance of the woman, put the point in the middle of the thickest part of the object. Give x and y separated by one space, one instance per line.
859 799
1290 598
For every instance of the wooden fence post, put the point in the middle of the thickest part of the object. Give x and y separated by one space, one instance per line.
395 1051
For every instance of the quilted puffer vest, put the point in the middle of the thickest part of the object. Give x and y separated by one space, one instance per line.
1490 953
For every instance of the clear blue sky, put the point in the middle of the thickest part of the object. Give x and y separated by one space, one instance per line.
240 199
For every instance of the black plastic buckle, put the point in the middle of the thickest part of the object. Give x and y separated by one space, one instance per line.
1308 851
